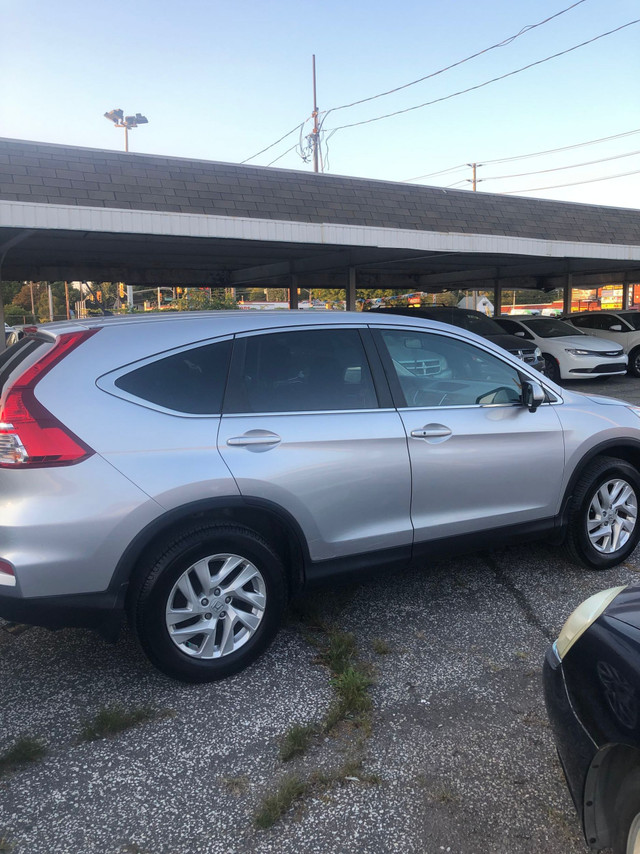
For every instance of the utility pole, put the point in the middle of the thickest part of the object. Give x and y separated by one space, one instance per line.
316 130
473 180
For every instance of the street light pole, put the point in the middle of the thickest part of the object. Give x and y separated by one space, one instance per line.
121 121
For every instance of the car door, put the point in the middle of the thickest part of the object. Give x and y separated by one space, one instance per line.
479 458
307 429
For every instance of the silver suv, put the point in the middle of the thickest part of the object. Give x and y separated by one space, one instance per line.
194 471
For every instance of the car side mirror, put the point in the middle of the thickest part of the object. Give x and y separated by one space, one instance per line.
532 395
520 333
617 327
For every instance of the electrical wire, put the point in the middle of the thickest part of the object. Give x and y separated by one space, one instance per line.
488 82
574 184
504 42
280 156
560 168
564 148
526 156
293 130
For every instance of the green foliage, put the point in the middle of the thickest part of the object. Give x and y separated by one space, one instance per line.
25 751
296 741
276 805
198 299
115 720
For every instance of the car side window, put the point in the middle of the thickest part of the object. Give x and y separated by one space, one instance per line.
436 370
597 321
302 371
191 381
511 326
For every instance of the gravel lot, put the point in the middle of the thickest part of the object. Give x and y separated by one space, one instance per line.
459 757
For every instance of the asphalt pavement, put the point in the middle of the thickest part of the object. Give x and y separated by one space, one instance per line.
458 755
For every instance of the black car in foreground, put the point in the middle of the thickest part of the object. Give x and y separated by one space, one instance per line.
592 692
480 324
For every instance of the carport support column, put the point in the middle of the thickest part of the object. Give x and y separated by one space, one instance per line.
293 292
625 294
351 290
497 298
568 294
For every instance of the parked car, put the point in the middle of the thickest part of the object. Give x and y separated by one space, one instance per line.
478 323
193 471
620 327
568 353
592 691
10 335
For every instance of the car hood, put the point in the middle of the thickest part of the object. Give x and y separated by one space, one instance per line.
511 342
586 342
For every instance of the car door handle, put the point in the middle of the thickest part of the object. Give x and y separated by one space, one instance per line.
431 431
255 437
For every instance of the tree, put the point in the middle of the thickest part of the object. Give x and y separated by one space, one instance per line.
198 299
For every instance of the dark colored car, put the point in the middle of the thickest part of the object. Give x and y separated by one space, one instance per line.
480 324
592 691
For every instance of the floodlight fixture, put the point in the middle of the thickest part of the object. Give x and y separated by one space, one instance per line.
121 121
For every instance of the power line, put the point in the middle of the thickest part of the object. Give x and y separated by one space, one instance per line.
488 82
504 42
574 184
561 168
280 156
564 148
525 156
293 130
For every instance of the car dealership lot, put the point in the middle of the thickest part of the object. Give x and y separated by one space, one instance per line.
458 757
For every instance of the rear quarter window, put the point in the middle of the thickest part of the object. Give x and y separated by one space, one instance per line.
191 381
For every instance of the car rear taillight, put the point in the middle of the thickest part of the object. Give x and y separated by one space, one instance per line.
7 573
30 436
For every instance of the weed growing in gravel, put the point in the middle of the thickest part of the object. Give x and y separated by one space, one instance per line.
236 785
380 646
5 845
276 805
296 741
116 719
445 795
24 752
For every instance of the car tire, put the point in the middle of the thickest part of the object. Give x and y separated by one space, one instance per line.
634 362
210 603
551 368
626 816
603 525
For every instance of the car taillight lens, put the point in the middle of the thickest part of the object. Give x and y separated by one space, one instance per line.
30 436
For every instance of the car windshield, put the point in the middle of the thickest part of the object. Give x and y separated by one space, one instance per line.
471 320
632 318
549 327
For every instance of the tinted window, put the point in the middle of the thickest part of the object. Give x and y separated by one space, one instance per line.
192 381
597 321
316 369
550 327
434 370
632 318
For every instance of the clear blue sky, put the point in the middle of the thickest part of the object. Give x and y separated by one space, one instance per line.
222 79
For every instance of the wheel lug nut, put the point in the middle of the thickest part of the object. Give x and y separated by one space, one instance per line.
204 602
222 615
216 592
228 599
207 616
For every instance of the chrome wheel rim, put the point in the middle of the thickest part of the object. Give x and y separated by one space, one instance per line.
633 840
216 606
612 517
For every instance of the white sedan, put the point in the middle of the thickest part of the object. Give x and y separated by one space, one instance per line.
568 353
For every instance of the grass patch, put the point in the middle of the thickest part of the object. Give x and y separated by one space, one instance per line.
116 719
236 785
6 846
276 805
296 741
339 652
380 647
24 752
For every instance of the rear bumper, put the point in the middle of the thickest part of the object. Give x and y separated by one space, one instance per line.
102 612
